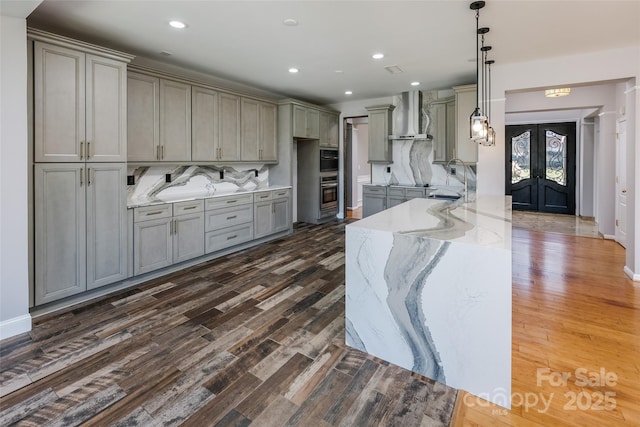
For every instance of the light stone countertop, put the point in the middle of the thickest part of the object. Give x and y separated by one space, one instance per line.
186 196
485 222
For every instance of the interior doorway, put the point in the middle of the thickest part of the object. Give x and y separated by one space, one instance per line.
540 164
357 170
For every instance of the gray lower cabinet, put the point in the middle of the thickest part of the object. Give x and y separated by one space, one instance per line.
80 228
272 212
398 195
374 199
188 230
152 242
228 221
167 234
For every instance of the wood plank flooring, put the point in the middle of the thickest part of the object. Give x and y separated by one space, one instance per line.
573 309
253 338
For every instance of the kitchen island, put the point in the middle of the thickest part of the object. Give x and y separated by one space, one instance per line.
428 288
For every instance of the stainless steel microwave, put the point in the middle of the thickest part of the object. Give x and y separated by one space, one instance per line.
328 160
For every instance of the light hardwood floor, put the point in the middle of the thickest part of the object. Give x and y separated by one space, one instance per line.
574 312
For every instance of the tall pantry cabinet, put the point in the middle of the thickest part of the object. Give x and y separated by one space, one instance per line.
79 176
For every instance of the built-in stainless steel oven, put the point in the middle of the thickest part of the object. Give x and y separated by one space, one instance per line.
328 160
328 191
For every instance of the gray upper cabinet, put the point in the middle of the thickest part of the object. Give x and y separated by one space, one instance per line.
204 124
229 127
106 224
329 130
143 122
175 121
250 120
80 228
259 131
443 129
306 122
79 106
379 130
465 148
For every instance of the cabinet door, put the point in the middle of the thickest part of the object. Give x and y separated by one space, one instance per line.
106 110
175 121
106 223
372 204
313 124
263 219
395 201
333 131
439 131
59 97
465 149
281 216
250 130
299 122
451 128
229 142
143 111
204 124
188 236
379 145
268 132
153 246
59 200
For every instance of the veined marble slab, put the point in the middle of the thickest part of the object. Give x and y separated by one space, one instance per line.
428 287
193 182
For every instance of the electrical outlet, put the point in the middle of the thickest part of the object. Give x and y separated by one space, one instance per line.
453 171
256 171
388 169
131 180
167 178
221 174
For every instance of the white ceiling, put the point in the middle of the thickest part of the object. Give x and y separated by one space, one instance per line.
432 41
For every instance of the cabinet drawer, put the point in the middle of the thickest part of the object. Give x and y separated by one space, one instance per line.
152 212
226 217
414 193
221 202
280 194
395 191
262 196
370 189
192 206
227 237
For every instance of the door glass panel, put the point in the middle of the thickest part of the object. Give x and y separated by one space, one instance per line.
556 157
521 157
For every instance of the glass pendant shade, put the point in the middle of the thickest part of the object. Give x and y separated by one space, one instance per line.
490 140
477 125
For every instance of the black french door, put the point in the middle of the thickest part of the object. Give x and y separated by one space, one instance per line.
541 167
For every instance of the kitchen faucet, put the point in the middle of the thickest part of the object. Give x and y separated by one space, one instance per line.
464 170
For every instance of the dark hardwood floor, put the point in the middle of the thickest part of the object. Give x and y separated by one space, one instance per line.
253 338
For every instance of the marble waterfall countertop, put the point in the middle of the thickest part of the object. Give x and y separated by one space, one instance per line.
177 196
428 287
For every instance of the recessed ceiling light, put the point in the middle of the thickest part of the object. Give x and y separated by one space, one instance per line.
339 71
290 22
348 92
377 56
415 83
166 53
178 24
293 70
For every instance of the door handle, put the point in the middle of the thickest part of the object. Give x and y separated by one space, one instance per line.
89 173
81 150
624 191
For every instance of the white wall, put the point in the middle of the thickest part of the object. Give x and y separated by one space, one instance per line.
610 65
14 279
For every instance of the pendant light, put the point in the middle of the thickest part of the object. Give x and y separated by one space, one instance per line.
477 121
484 49
491 135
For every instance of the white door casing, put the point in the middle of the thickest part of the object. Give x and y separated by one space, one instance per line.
621 183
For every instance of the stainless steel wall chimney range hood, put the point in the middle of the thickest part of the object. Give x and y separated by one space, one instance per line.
410 121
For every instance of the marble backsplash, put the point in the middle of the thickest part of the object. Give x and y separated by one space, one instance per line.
150 182
413 165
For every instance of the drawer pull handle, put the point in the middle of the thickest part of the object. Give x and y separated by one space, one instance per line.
231 201
232 237
263 197
154 213
189 208
232 217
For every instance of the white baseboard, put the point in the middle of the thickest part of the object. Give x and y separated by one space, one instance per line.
609 237
15 326
631 274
